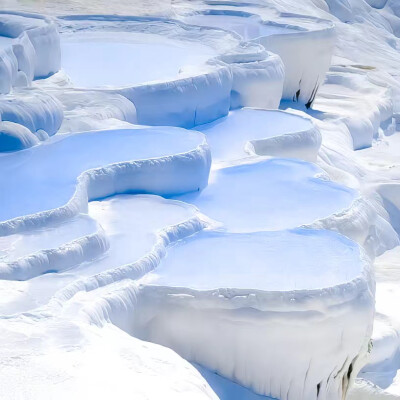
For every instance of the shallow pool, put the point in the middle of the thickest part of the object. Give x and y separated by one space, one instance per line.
102 59
284 260
248 27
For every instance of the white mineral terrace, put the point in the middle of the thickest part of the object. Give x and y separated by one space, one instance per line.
29 48
31 176
5 42
263 132
247 26
185 75
88 245
269 195
115 59
247 292
305 46
16 246
199 200
243 261
35 112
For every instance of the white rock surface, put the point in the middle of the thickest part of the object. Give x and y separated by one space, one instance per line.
197 85
29 48
91 251
253 305
99 164
15 137
36 110
305 49
270 195
90 361
63 342
260 132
